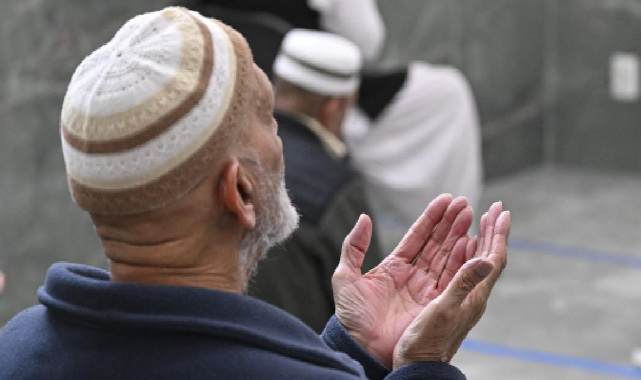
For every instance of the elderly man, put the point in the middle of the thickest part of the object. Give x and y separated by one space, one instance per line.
170 145
317 76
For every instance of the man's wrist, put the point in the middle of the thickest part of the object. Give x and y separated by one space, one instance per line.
339 339
427 370
400 361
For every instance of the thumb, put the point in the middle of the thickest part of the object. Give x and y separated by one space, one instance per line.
466 279
353 251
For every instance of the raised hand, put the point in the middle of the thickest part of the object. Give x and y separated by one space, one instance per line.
438 331
376 308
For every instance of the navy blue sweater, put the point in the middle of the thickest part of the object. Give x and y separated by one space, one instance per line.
89 327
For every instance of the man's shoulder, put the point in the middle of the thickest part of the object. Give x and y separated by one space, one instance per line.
26 321
180 333
314 191
313 176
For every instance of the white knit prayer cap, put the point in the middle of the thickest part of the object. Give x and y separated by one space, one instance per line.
141 113
320 62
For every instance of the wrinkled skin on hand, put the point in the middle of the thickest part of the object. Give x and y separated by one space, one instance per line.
376 308
438 331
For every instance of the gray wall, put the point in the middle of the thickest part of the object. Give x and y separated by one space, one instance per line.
591 129
41 43
538 69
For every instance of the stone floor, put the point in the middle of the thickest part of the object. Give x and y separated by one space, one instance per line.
569 304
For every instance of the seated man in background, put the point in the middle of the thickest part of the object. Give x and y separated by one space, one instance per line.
317 75
170 146
415 131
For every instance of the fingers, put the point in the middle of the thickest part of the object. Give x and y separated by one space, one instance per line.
442 231
465 280
502 228
353 252
456 259
441 256
422 229
451 227
488 231
1 282
503 224
470 250
481 242
438 330
498 253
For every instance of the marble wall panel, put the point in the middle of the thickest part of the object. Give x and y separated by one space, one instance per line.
592 129
500 46
41 43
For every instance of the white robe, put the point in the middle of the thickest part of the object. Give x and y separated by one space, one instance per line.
356 20
426 142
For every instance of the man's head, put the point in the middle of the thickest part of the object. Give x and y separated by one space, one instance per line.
169 142
317 74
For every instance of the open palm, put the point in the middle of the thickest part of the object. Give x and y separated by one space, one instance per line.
376 308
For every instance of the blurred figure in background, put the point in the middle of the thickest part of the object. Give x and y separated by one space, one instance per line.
414 132
316 78
357 20
425 142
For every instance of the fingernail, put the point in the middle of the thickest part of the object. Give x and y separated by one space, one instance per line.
444 195
504 217
484 268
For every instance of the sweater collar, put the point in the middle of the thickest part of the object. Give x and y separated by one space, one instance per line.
87 294
332 144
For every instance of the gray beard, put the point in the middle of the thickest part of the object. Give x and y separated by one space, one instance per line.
276 219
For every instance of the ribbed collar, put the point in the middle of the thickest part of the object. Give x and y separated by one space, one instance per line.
87 295
331 143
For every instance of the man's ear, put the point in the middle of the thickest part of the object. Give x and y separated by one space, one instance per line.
352 99
330 115
237 193
329 108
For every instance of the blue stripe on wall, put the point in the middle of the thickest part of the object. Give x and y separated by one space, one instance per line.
576 253
541 357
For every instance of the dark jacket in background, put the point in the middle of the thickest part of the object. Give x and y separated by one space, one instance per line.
295 12
89 327
377 90
296 276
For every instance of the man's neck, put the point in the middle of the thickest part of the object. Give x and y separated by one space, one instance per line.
176 263
194 277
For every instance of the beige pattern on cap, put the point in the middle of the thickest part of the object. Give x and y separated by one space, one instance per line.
144 147
121 130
